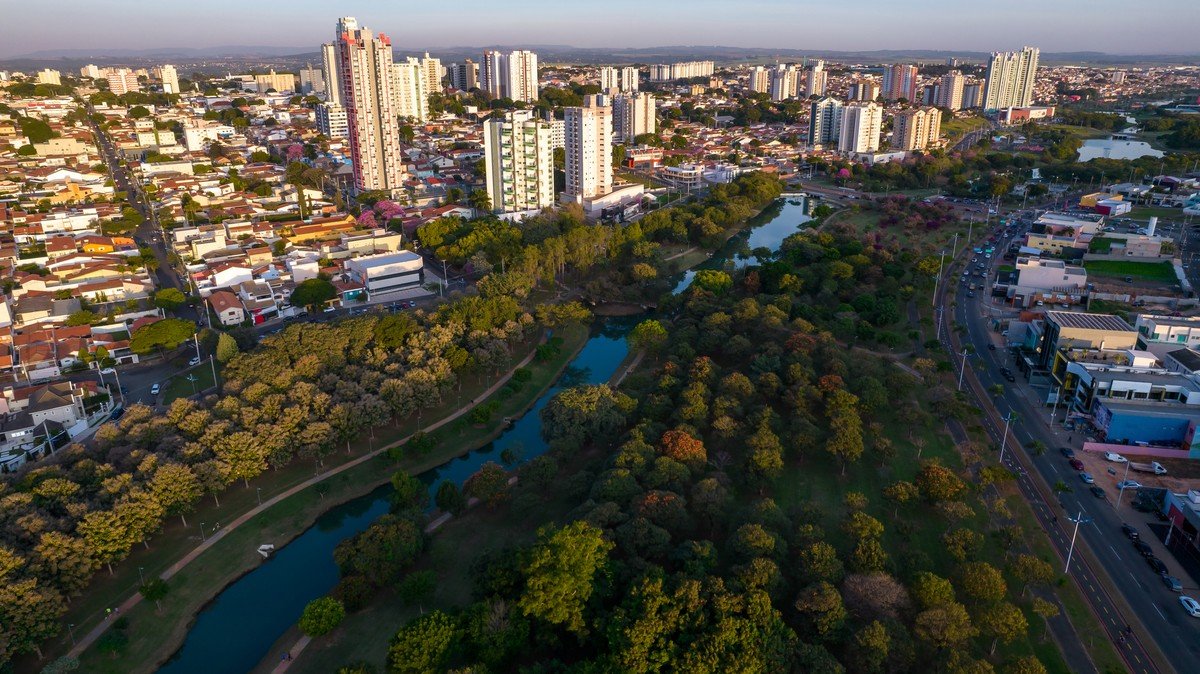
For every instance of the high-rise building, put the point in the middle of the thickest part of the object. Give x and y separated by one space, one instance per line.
431 70
518 162
972 95
364 68
610 80
511 75
333 85
312 80
950 93
916 128
589 149
900 81
412 99
930 93
760 80
633 115
170 79
629 79
90 70
825 123
817 77
861 123
785 82
50 76
331 120
1010 77
863 89
122 81
1117 76
669 72
464 76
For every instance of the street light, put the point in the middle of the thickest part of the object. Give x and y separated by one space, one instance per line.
1080 519
1121 492
141 577
1004 440
71 629
259 490
202 532
963 368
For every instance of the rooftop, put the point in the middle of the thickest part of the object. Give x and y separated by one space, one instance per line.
1082 321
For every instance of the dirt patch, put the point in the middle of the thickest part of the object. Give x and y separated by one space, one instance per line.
1182 474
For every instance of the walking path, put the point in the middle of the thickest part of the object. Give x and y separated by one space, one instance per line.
175 568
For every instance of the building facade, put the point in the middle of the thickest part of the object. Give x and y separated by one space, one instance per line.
633 115
916 128
412 98
1010 78
511 75
122 81
364 67
950 91
170 79
900 81
863 90
312 80
825 123
331 120
589 149
464 76
669 72
817 78
329 68
759 80
785 82
861 124
518 162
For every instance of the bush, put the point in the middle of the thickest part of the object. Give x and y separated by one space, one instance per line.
354 592
321 616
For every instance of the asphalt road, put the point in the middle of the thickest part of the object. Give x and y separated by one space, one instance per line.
1175 633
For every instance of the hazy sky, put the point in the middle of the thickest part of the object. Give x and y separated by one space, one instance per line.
1122 27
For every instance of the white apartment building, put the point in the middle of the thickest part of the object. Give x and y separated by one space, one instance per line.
170 79
760 80
629 79
863 90
329 68
916 128
609 79
558 134
412 98
121 81
817 79
950 93
1010 78
825 123
50 76
589 150
518 162
364 67
464 76
90 70
861 124
280 82
633 115
431 70
312 80
785 81
676 71
510 75
331 120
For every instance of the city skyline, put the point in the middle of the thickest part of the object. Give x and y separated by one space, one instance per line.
923 24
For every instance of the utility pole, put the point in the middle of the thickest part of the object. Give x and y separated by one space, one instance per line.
937 279
1004 440
1121 492
1054 410
1079 519
963 368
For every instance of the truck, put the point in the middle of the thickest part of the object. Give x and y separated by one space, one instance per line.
1152 467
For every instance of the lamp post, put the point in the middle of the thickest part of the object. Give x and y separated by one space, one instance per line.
1004 440
259 491
937 279
1054 410
202 532
1121 492
192 378
962 368
71 629
141 577
1080 519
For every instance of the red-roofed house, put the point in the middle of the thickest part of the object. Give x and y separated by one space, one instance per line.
228 307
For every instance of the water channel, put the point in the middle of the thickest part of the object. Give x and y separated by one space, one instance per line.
234 632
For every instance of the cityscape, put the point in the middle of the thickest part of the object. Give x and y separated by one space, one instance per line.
570 352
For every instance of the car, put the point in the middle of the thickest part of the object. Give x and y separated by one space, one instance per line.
1129 484
1172 583
1191 606
1156 564
194 361
1097 492
154 389
991 347
329 310
1142 548
108 370
1076 464
1067 452
970 293
1087 478
1010 377
1115 458
117 413
1130 532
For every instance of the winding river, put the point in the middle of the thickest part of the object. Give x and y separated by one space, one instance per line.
234 632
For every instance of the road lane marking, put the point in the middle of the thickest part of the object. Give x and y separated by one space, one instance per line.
1160 613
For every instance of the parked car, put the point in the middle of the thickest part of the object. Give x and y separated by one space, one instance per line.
108 370
1129 484
117 413
1172 583
1067 452
1131 532
1097 492
1087 478
1157 564
1116 458
193 362
1143 548
1076 464
1010 376
1191 606
991 347
154 389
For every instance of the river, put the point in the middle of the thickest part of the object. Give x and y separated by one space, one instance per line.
234 632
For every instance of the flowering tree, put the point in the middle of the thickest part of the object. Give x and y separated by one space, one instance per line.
295 151
388 209
367 219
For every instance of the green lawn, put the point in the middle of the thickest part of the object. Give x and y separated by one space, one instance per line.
1101 245
1162 272
1161 212
1082 132
956 127
179 386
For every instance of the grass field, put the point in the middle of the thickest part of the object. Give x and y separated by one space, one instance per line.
956 127
179 386
1162 272
1161 212
1082 132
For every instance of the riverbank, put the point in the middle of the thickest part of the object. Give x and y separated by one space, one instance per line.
153 637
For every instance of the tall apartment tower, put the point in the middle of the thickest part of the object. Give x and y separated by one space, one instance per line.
431 70
412 98
333 86
518 162
365 72
916 128
610 79
464 76
760 80
629 79
785 82
861 123
1010 78
633 115
312 80
90 70
817 77
120 81
950 94
825 123
863 90
510 75
900 81
972 95
170 79
589 149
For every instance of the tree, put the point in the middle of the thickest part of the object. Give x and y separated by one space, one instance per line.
819 562
176 488
321 616
820 606
1030 570
382 552
417 587
64 560
1026 665
938 483
649 336
424 645
875 596
682 447
931 591
28 615
870 647
312 293
560 574
154 590
169 299
488 483
983 582
946 626
165 334
583 413
715 282
408 493
227 348
1003 622
1044 610
107 536
480 201
900 493
449 498
138 112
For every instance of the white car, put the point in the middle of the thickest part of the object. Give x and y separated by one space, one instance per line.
1115 458
1129 484
154 389
1191 606
194 361
108 370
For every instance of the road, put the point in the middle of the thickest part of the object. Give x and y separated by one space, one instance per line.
1157 613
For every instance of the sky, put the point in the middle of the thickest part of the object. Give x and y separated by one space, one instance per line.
1112 26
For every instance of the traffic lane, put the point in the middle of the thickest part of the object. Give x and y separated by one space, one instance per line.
1182 643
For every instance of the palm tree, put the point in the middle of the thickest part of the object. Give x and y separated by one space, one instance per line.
480 201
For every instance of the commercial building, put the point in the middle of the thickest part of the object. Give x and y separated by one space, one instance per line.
1069 331
825 123
464 76
329 68
861 124
518 162
1177 330
900 81
387 272
1010 78
364 69
817 78
121 81
588 150
50 76
511 75
170 79
279 82
1027 114
312 80
412 98
633 115
760 80
916 128
863 90
331 120
950 90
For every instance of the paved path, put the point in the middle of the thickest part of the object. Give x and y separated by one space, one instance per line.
618 378
220 533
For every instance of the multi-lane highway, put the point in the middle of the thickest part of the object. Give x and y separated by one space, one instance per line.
1121 588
